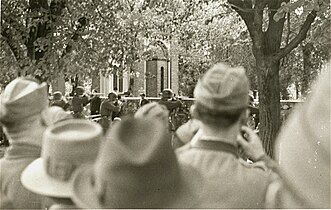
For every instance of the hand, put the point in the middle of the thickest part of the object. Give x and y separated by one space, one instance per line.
153 110
252 146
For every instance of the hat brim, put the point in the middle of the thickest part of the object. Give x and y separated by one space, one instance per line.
84 194
35 179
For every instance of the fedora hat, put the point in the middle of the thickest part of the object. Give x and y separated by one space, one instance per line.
136 168
66 145
303 148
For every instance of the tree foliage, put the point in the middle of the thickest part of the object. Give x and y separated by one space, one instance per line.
88 37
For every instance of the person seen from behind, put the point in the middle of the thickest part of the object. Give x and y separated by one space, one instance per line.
51 174
172 104
24 115
221 103
302 149
107 109
137 168
143 101
168 100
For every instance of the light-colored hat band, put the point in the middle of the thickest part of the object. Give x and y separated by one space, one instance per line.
221 104
230 111
59 169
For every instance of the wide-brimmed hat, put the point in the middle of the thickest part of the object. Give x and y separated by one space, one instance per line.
223 89
21 99
66 145
303 149
137 168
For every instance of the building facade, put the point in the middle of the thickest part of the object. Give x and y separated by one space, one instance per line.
157 72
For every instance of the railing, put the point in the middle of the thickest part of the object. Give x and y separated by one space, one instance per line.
131 105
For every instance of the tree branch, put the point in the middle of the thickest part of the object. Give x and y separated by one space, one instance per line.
13 46
299 37
247 15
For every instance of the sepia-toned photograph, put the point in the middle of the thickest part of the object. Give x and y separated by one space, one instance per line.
165 104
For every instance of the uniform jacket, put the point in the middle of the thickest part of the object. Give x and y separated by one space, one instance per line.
170 104
61 103
16 158
143 102
95 105
229 182
78 103
107 108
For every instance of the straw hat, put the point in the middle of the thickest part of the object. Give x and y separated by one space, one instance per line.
137 168
66 145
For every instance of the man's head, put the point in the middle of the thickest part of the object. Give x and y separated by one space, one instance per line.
221 96
22 99
57 95
112 96
79 90
167 93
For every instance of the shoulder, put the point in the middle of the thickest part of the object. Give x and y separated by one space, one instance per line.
260 165
259 171
184 151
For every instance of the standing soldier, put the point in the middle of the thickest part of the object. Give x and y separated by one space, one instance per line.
143 101
95 103
78 102
172 104
229 182
108 107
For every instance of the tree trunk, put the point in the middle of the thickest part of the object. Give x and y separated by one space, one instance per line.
268 52
269 102
307 68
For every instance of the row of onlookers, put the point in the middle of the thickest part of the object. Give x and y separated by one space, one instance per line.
59 162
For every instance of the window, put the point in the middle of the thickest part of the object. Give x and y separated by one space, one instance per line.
162 78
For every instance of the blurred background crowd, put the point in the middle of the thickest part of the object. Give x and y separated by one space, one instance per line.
59 156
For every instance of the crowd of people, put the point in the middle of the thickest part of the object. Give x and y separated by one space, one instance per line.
59 160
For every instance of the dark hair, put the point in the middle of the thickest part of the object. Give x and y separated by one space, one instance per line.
112 95
217 118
